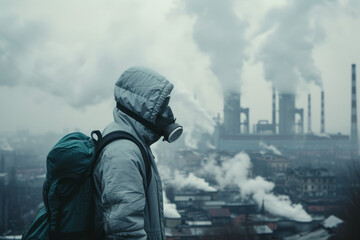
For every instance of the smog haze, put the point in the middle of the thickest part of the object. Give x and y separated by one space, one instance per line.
59 61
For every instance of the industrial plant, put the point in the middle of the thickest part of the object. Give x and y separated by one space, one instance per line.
286 129
273 180
304 169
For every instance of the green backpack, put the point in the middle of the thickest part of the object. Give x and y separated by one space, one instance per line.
68 211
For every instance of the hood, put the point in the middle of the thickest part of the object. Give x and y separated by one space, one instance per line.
142 91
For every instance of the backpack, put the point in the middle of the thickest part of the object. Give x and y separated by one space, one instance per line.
68 211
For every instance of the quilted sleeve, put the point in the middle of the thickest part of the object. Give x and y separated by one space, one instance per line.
123 195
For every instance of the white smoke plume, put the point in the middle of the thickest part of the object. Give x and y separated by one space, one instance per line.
22 64
219 33
323 135
170 210
272 148
235 171
183 104
181 181
286 53
81 55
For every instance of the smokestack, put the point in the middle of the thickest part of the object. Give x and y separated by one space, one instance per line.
274 110
322 113
286 113
232 112
309 113
354 133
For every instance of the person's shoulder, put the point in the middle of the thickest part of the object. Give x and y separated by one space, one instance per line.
124 148
121 149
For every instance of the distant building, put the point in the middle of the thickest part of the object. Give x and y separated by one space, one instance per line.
7 156
220 216
307 144
3 203
308 183
286 134
268 164
326 230
193 198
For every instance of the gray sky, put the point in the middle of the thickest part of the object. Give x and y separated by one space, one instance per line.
59 60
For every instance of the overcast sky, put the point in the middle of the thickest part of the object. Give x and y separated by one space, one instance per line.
59 60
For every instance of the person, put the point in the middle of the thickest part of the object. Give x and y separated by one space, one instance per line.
124 207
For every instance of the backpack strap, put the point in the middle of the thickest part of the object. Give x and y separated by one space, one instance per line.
101 142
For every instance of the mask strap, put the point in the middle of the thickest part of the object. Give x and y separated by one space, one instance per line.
164 119
133 115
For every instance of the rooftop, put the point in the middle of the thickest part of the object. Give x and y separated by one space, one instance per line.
312 172
219 212
262 229
199 223
332 222
319 234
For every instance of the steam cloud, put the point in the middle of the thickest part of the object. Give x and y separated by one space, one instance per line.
235 172
170 210
200 121
17 41
324 135
287 50
61 55
219 33
180 181
272 148
35 53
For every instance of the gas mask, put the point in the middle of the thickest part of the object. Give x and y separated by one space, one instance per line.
165 124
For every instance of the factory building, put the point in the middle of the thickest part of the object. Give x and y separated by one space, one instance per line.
311 183
288 134
269 165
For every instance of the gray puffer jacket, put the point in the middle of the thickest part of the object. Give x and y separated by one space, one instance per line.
122 210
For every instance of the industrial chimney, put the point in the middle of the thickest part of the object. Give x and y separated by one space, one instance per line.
309 113
322 113
232 112
274 110
286 113
354 132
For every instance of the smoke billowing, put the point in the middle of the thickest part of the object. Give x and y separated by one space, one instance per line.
180 181
271 148
200 121
170 210
18 41
287 52
49 53
234 172
219 33
77 55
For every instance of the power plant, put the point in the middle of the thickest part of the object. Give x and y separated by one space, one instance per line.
287 133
